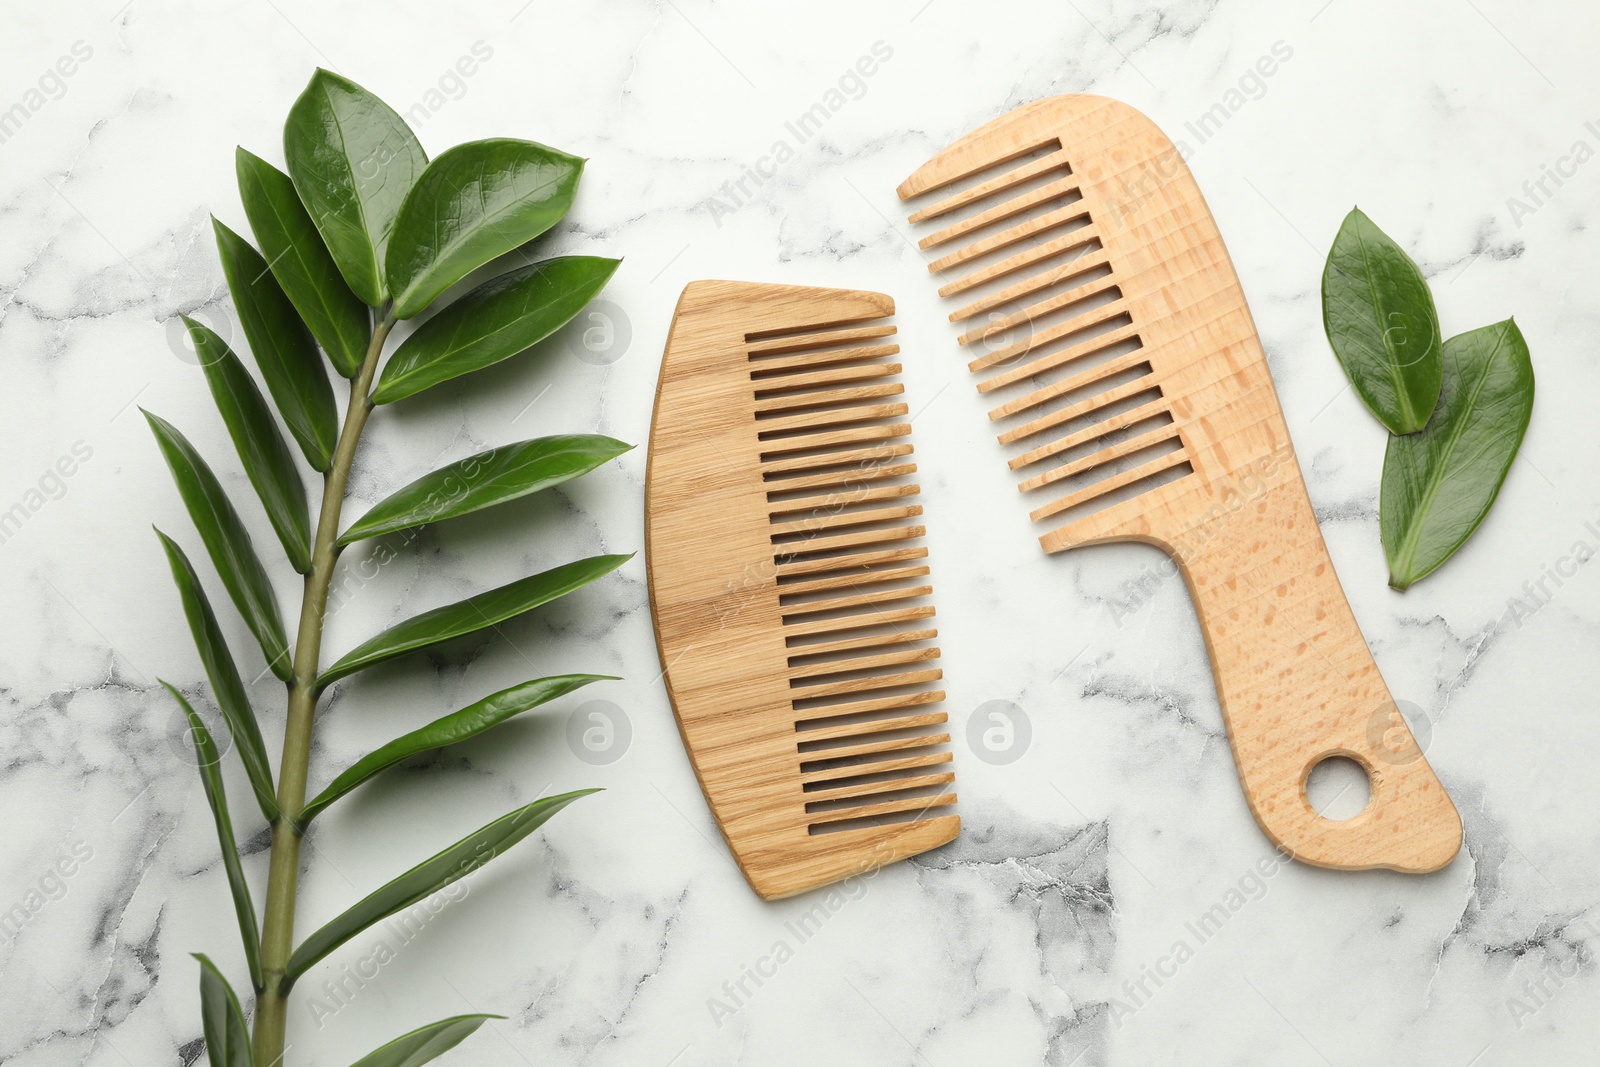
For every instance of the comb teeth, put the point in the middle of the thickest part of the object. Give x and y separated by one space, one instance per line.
789 582
1052 334
851 595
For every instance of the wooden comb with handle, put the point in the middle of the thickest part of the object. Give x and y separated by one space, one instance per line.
1095 284
787 583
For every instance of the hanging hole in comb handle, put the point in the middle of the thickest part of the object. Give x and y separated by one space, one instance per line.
1294 676
1338 787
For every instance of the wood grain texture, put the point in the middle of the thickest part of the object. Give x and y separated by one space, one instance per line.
1140 408
788 583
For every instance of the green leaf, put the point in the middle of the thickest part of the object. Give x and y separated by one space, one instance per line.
227 542
486 479
1439 484
227 1040
352 160
282 346
477 201
456 727
425 1043
225 681
302 264
495 321
261 446
472 614
205 751
427 878
1380 320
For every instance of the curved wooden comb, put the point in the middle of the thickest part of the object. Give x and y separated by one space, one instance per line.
789 600
1144 409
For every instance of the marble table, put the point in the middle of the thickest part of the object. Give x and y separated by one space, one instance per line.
1069 923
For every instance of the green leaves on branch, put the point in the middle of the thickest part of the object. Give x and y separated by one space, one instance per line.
302 264
226 541
352 160
282 346
225 682
425 1044
476 201
357 224
210 763
428 877
1457 412
261 447
472 614
456 727
1380 320
227 1040
486 479
1439 484
493 322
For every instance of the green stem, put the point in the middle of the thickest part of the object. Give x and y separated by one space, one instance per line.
277 933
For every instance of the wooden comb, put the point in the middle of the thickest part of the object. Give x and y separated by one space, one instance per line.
786 583
1109 316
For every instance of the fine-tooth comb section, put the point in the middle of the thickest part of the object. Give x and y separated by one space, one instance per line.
1054 337
1096 304
852 506
846 698
790 582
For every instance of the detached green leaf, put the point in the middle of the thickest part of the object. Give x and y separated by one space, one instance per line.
302 264
477 201
1439 484
227 542
352 160
227 1039
262 449
486 479
282 346
456 727
225 681
495 321
424 1044
472 614
427 878
1380 320
205 751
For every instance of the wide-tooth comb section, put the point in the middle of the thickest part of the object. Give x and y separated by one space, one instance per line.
1081 237
1098 305
1060 274
1050 161
1064 350
791 595
1063 188
1025 316
1049 362
1046 223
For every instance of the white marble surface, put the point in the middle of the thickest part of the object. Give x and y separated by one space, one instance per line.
604 940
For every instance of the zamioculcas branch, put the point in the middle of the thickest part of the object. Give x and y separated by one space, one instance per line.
363 232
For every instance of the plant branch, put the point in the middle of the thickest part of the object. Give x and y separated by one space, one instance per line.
277 937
